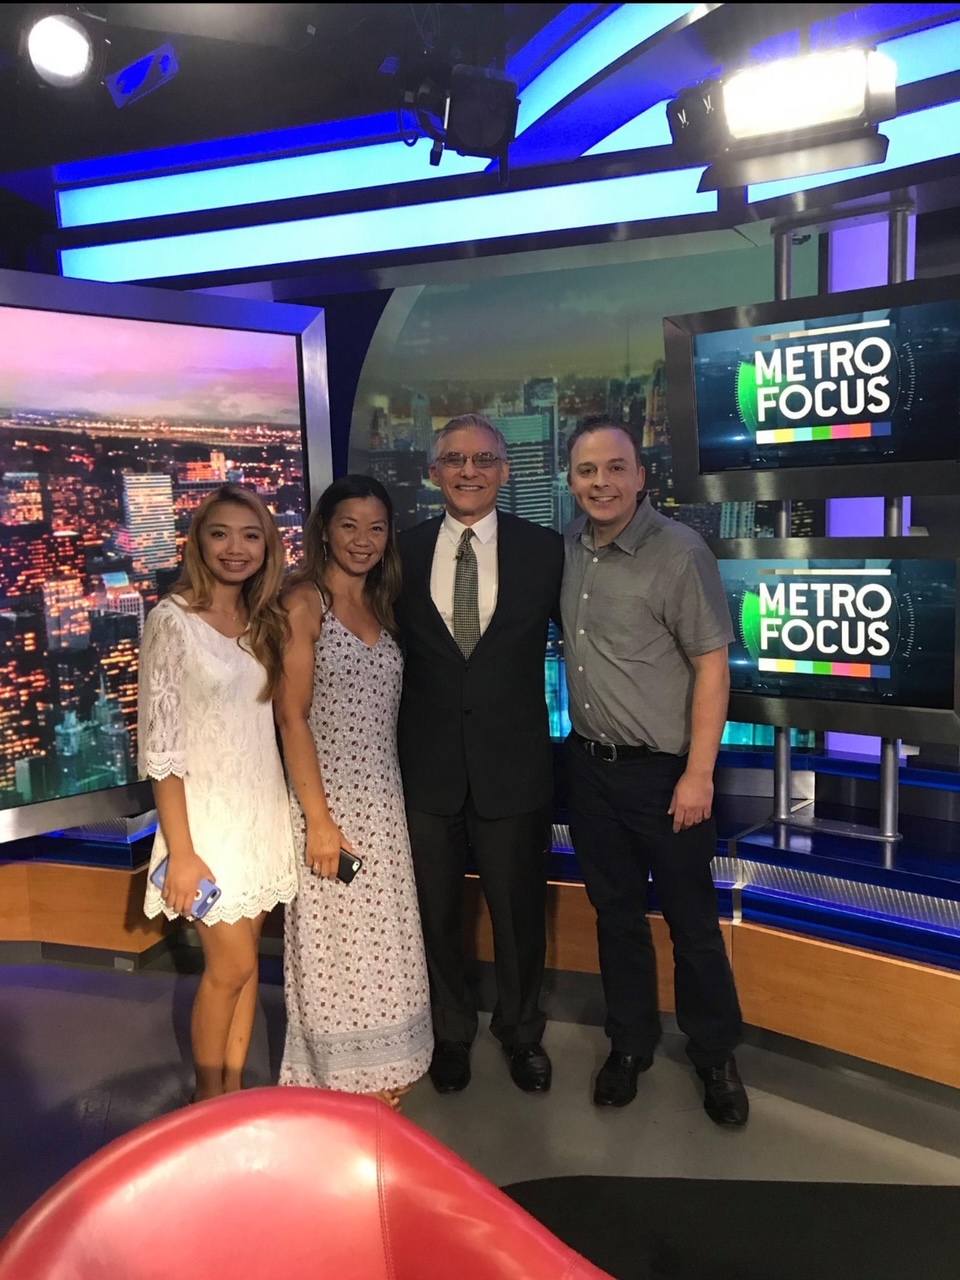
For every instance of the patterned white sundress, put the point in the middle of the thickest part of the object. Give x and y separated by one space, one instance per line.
200 719
358 1004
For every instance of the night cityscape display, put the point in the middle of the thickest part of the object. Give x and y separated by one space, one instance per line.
534 354
112 431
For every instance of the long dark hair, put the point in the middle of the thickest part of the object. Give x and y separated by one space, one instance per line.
383 580
268 626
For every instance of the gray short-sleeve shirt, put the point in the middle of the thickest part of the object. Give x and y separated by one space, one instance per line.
634 613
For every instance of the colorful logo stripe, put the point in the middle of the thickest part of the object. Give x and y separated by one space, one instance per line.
791 666
837 431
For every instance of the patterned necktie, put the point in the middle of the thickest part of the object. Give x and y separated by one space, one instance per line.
466 610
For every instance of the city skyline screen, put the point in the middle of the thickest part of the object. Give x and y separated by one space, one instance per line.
112 431
535 352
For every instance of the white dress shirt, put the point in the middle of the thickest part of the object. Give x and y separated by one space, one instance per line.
444 569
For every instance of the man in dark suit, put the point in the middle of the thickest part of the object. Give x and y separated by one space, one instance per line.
479 588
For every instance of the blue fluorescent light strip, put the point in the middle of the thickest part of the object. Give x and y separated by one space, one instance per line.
561 29
350 169
362 167
471 218
924 54
357 131
648 129
919 56
627 26
925 135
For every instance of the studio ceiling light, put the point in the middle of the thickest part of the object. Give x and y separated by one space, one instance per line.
61 51
795 116
793 95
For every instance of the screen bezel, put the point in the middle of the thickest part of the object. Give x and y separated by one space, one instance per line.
843 480
134 302
914 724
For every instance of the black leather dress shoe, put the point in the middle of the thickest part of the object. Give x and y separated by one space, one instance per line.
450 1066
724 1097
530 1068
616 1083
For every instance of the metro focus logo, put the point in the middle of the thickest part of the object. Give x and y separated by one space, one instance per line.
842 629
832 383
826 622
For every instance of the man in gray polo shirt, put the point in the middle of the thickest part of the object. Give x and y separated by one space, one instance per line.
646 629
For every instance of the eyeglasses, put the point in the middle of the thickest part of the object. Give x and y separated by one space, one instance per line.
455 461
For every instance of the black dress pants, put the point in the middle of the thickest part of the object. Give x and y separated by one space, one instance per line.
510 854
623 835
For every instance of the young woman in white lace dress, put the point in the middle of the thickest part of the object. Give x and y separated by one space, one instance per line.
358 1007
210 661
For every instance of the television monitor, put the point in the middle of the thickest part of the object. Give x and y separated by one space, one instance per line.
120 409
842 395
854 634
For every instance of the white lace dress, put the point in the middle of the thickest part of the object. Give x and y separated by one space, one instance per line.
355 977
200 719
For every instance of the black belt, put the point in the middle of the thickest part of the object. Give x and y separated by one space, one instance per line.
609 751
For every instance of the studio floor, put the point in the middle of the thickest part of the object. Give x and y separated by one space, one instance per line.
87 1054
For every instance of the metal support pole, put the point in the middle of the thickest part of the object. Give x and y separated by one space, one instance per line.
893 517
897 264
897 244
782 779
782 265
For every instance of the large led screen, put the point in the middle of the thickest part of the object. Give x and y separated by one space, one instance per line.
871 631
112 431
535 352
791 392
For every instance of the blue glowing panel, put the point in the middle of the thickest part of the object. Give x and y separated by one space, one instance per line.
925 135
569 25
474 218
309 137
924 54
649 129
862 25
351 169
626 27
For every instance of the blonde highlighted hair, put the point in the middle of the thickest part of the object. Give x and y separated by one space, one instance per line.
269 629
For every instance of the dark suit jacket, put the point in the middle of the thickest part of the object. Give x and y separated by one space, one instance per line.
481 723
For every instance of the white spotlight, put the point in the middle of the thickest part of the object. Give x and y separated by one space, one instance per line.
811 92
61 50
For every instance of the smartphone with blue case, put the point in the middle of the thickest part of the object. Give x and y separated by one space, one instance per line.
207 891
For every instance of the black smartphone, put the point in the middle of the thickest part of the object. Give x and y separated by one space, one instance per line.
350 864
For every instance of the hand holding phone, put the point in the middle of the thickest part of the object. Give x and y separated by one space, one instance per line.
207 891
350 864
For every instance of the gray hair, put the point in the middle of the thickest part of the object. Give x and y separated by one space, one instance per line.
463 421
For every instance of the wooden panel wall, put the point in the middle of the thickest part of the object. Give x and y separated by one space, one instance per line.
889 1011
870 1006
76 906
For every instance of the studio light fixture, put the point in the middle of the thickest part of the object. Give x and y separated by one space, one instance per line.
787 118
62 48
474 115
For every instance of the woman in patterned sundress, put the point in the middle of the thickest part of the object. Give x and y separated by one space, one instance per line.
210 660
358 1008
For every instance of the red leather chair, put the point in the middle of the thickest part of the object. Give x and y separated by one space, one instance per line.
296 1184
